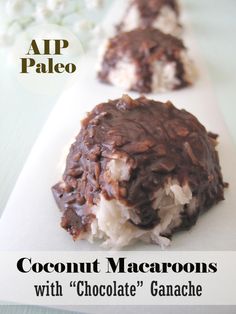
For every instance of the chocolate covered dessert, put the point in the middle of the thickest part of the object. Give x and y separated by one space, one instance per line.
146 60
138 170
160 14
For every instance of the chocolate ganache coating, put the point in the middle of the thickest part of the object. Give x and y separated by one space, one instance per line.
150 9
144 47
158 143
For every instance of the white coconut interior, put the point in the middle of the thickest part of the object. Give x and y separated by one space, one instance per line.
119 170
113 226
164 73
164 76
190 73
101 53
166 21
112 223
132 19
124 74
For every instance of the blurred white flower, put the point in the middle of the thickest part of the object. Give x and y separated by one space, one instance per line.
70 19
18 15
5 39
14 7
82 25
42 12
57 5
93 4
25 21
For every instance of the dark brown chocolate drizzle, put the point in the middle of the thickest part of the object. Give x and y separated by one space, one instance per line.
158 141
143 47
149 11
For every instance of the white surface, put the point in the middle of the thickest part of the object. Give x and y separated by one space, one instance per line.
31 218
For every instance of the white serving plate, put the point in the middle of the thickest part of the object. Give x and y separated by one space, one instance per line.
31 218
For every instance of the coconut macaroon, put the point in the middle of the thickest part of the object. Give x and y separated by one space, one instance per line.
146 60
161 14
138 170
